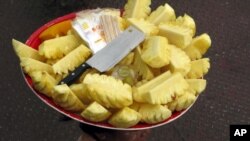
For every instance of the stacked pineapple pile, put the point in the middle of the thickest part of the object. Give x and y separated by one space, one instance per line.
166 71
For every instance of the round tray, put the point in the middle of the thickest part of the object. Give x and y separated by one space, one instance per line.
34 41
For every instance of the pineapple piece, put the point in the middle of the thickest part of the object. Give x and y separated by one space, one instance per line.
177 35
137 9
125 118
140 91
186 21
199 68
29 65
51 61
128 60
43 82
108 91
197 85
140 67
65 98
179 61
198 46
162 14
81 91
164 92
23 50
153 114
146 27
72 60
182 102
156 52
58 47
95 113
58 29
88 71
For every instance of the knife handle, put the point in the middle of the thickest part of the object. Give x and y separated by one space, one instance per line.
71 78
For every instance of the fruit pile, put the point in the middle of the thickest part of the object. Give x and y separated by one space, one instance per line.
162 75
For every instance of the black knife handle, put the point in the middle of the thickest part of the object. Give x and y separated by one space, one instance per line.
72 77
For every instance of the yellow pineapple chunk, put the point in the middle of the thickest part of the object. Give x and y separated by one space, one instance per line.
198 46
177 35
30 65
125 118
164 92
65 98
162 14
140 91
146 27
186 21
95 112
108 91
81 91
153 114
137 9
182 102
23 50
72 60
197 85
179 61
199 68
128 60
58 47
140 67
43 82
156 52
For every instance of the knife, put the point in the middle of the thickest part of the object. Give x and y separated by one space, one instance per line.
110 55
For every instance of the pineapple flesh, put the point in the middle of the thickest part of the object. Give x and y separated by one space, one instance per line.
137 9
197 85
199 68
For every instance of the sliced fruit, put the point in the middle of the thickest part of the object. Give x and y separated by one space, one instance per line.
197 85
81 91
125 118
72 60
108 91
162 14
95 112
23 50
43 82
186 21
137 9
179 61
58 29
65 98
182 102
177 35
30 65
198 46
146 27
152 114
156 52
199 68
128 60
58 47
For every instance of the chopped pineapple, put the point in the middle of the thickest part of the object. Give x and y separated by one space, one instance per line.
198 46
23 50
146 27
177 35
81 92
95 112
137 9
108 91
199 68
152 114
140 67
125 118
162 14
179 61
65 98
186 21
43 82
128 60
72 60
156 52
58 47
197 85
182 102
30 65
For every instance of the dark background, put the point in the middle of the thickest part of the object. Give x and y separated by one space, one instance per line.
226 100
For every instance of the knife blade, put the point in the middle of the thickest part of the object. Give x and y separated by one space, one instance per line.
110 55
